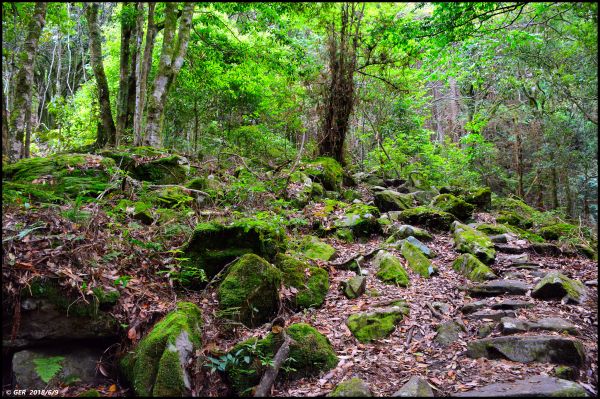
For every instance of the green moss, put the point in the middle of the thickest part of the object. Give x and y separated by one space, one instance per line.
558 230
326 171
417 260
428 217
90 393
555 285
361 219
197 183
495 229
354 387
310 350
514 219
390 269
249 292
313 248
344 234
311 282
368 327
106 298
405 231
389 200
467 239
454 205
472 268
566 372
154 367
172 197
351 195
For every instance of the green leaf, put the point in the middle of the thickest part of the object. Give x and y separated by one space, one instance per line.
47 368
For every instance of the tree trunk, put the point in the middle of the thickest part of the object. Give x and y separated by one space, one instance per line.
340 94
5 139
554 188
123 96
108 134
141 71
519 161
171 60
569 197
24 83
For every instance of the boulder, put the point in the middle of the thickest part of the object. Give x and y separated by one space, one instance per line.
250 291
354 287
525 349
428 217
428 252
566 373
404 231
499 287
485 329
313 248
352 388
536 386
312 353
454 205
467 239
555 285
300 189
473 306
480 197
389 200
471 267
491 314
157 366
558 230
310 283
417 260
361 219
449 332
441 307
327 171
512 304
389 269
423 197
546 248
509 325
378 324
416 387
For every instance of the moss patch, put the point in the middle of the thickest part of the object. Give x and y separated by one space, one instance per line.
368 327
389 200
555 285
311 282
155 368
428 217
467 239
313 248
361 219
352 388
417 260
558 230
326 171
472 268
390 269
454 205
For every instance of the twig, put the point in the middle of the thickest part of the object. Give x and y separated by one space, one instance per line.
411 330
433 311
268 378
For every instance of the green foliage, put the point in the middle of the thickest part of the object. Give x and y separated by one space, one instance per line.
48 367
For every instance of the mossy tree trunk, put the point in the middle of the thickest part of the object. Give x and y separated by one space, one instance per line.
108 134
127 24
171 59
141 70
24 81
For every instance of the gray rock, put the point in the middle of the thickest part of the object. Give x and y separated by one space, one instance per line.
511 304
592 283
406 230
422 247
473 306
441 307
500 238
449 332
79 363
390 200
499 287
525 349
485 330
510 325
509 249
546 248
556 324
555 285
378 188
352 388
354 287
495 315
416 387
518 259
536 386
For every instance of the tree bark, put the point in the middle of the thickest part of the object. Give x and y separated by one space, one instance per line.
554 188
24 82
569 196
123 96
171 60
5 139
141 72
108 134
268 379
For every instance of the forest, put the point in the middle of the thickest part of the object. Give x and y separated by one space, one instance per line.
299 199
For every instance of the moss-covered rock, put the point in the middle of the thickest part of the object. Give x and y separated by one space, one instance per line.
555 285
416 387
378 324
495 229
311 282
351 195
404 231
250 291
428 217
352 388
389 200
448 333
480 197
213 245
300 189
514 219
558 230
566 372
417 260
172 197
327 171
157 365
361 219
454 205
354 287
467 239
313 248
311 351
389 269
471 267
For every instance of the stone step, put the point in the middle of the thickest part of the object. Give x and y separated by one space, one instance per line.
499 287
509 325
525 349
495 315
509 304
510 249
536 386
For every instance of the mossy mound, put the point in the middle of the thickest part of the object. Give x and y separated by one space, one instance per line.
428 217
313 248
370 326
467 239
454 205
352 388
405 231
480 197
213 245
250 291
327 171
417 260
310 350
389 200
555 285
149 164
558 230
361 219
390 269
172 197
514 219
157 365
472 268
311 282
495 229
57 177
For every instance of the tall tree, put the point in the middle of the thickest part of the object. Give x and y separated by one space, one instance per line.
127 24
171 59
24 81
107 132
142 67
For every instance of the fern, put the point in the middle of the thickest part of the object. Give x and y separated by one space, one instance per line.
47 368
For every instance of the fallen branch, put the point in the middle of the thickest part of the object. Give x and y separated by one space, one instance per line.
268 378
433 311
346 263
